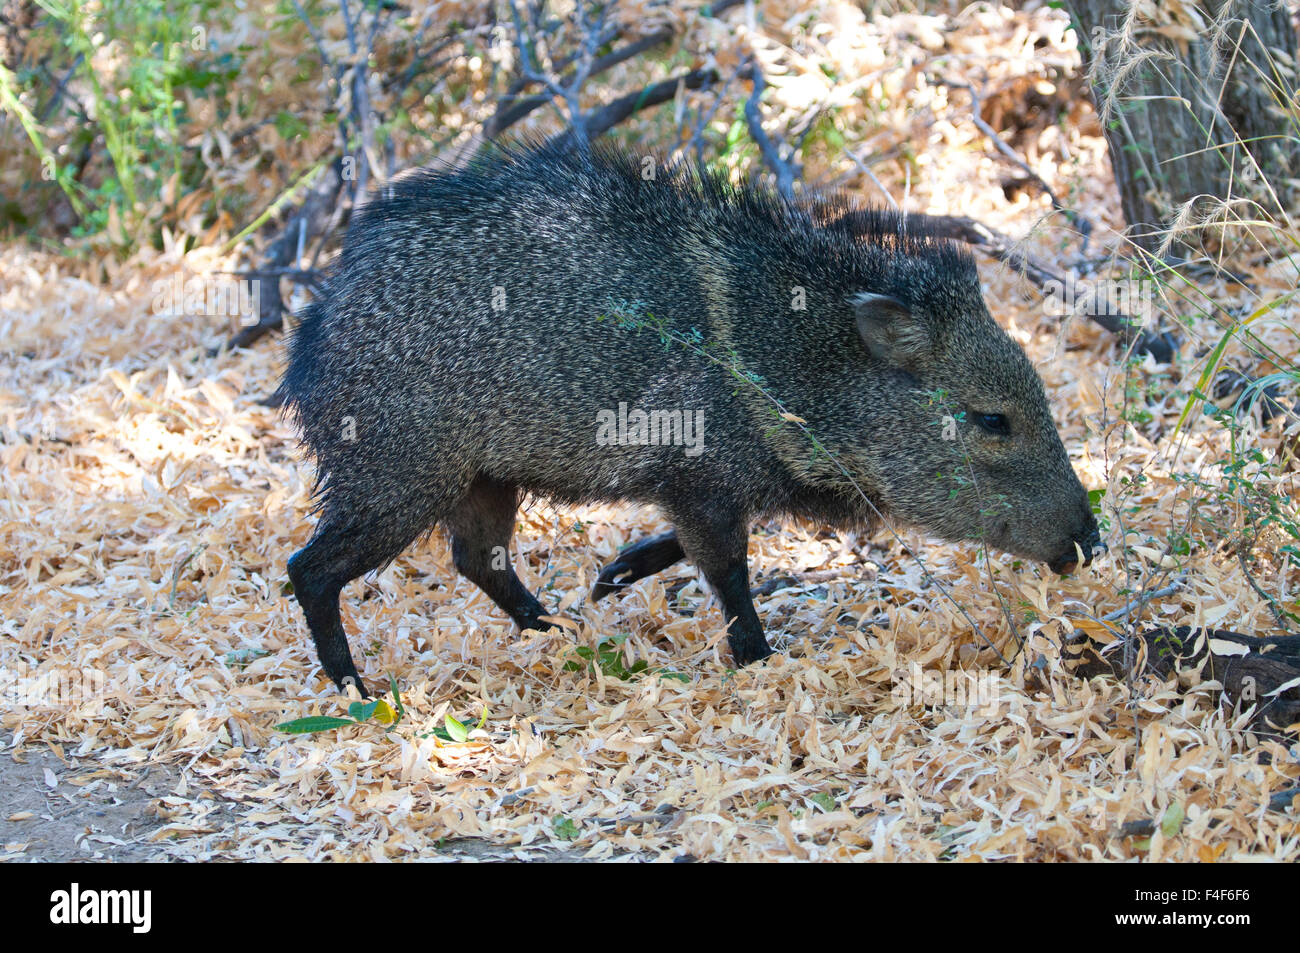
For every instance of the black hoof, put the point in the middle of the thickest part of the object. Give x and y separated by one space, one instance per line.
538 625
617 575
749 654
353 680
641 559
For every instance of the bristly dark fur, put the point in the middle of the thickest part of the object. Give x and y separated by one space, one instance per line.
480 320
840 232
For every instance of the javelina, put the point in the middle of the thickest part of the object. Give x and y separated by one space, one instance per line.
484 326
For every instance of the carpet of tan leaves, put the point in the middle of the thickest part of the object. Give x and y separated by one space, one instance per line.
149 502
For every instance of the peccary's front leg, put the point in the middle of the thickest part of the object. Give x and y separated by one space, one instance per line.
717 544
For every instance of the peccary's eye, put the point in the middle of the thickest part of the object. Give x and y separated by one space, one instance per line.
994 423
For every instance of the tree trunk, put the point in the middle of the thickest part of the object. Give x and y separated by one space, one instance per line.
1192 100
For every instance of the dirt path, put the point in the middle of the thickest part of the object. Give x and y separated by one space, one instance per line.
80 811
77 811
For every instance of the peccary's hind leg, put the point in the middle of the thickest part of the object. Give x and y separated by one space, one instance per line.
637 561
481 527
347 544
716 542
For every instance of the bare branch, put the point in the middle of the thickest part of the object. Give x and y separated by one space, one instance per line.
611 114
1082 224
786 171
511 108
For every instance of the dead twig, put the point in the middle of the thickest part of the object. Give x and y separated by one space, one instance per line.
1159 344
1142 600
784 168
511 107
1082 224
866 170
611 114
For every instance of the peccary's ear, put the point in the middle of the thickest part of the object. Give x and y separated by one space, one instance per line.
890 330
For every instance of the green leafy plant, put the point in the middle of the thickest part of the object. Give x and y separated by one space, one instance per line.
455 731
138 118
564 828
607 656
242 658
376 711
824 800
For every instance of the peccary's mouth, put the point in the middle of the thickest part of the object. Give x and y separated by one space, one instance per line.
1089 543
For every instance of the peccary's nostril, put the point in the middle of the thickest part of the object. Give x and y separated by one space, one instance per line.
1089 543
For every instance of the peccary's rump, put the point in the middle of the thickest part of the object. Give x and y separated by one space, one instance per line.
604 327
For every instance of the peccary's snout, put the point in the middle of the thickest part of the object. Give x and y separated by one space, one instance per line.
1088 538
